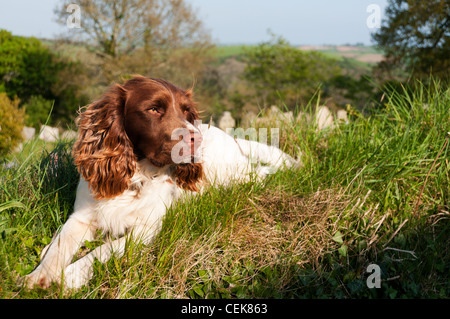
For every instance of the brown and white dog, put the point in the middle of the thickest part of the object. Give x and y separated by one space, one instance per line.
139 149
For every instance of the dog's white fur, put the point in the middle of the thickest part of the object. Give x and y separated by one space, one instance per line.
138 212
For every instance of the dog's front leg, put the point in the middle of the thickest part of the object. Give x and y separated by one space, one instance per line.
59 253
78 273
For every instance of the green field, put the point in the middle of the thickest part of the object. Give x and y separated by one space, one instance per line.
354 52
230 51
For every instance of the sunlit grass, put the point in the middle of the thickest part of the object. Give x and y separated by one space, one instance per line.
375 190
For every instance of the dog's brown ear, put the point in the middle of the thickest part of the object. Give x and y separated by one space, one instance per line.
189 175
103 152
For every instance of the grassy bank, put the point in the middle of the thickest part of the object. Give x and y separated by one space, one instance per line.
373 191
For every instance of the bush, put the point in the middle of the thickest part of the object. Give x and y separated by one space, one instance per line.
37 111
279 72
11 124
28 68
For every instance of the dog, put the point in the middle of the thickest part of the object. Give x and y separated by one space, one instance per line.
140 148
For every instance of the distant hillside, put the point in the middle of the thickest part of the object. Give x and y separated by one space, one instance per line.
354 59
366 54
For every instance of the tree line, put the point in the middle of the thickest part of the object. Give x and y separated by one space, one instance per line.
166 39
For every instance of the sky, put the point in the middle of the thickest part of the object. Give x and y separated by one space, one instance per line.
301 22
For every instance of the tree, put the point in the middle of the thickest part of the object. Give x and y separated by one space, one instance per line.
26 67
120 26
279 72
30 70
415 37
140 35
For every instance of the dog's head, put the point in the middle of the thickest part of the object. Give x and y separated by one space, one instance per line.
143 118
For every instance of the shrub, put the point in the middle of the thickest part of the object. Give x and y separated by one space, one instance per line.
37 111
11 124
26 67
279 72
29 68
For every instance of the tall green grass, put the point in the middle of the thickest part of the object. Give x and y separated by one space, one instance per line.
373 191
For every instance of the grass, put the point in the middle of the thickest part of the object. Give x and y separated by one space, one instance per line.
373 191
228 51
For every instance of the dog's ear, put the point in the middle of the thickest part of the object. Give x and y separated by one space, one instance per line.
189 175
103 152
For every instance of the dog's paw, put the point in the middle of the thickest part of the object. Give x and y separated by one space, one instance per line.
76 276
37 278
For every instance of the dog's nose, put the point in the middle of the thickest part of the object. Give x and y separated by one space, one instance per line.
193 138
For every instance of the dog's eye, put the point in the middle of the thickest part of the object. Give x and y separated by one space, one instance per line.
186 109
153 110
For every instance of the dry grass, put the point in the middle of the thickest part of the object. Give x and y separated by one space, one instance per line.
281 227
273 230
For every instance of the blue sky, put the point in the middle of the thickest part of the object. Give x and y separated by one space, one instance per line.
232 21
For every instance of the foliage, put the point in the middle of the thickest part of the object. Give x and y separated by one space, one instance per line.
69 90
279 72
346 89
118 27
415 38
152 38
227 88
37 111
28 68
11 124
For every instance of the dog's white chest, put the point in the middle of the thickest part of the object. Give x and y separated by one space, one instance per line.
142 205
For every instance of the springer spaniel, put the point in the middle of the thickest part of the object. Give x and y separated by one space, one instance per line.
139 149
